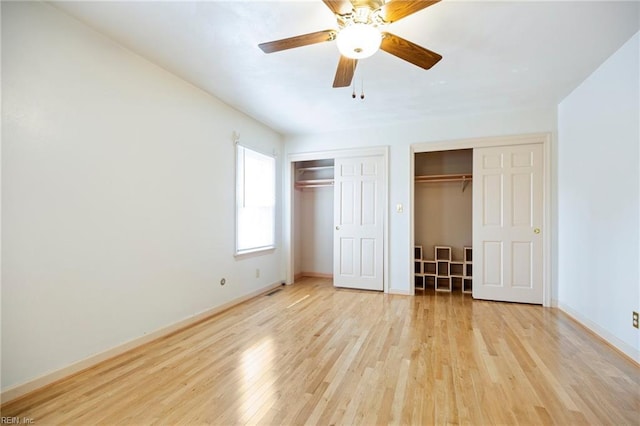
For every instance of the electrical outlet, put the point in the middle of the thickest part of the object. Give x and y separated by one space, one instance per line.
257 272
635 320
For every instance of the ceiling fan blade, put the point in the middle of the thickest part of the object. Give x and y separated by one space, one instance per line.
410 52
339 7
398 9
298 41
345 71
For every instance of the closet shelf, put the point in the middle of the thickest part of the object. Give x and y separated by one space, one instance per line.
443 178
313 169
464 178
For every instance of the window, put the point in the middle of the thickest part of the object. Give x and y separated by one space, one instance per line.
255 200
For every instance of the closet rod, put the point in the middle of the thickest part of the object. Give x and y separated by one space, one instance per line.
443 178
313 186
314 183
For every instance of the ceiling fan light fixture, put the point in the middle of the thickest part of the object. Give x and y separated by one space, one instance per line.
358 41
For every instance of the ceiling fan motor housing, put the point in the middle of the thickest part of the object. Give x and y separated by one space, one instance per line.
359 41
360 35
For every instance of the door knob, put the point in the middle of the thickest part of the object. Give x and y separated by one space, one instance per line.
536 231
337 228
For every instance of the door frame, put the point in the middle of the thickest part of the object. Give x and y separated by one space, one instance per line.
289 191
538 138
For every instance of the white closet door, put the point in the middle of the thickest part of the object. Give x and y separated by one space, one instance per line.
507 223
359 223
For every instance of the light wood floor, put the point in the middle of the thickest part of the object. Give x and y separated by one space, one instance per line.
313 354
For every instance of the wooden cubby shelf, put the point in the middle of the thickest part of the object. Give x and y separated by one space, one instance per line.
443 253
457 269
429 267
443 273
467 279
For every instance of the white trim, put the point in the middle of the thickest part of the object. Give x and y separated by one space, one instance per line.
620 345
259 250
538 138
547 223
17 391
481 142
412 225
259 150
289 189
339 153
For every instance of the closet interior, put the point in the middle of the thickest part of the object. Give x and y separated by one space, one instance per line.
443 255
313 218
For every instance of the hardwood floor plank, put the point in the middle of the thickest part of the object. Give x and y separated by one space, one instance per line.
313 354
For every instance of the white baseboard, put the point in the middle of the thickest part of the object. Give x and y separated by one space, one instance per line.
313 275
623 347
400 292
20 390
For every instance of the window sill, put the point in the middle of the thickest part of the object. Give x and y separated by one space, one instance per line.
254 252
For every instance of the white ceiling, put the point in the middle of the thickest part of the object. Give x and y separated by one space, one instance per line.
497 55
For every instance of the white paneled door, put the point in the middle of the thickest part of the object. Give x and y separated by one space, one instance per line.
507 223
359 223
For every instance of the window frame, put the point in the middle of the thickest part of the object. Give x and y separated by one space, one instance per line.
240 199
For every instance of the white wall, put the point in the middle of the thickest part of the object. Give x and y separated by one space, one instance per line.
316 231
118 195
443 217
400 137
599 201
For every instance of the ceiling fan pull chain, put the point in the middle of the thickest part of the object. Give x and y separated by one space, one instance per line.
353 83
362 89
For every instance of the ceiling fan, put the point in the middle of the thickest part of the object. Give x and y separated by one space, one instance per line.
360 34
